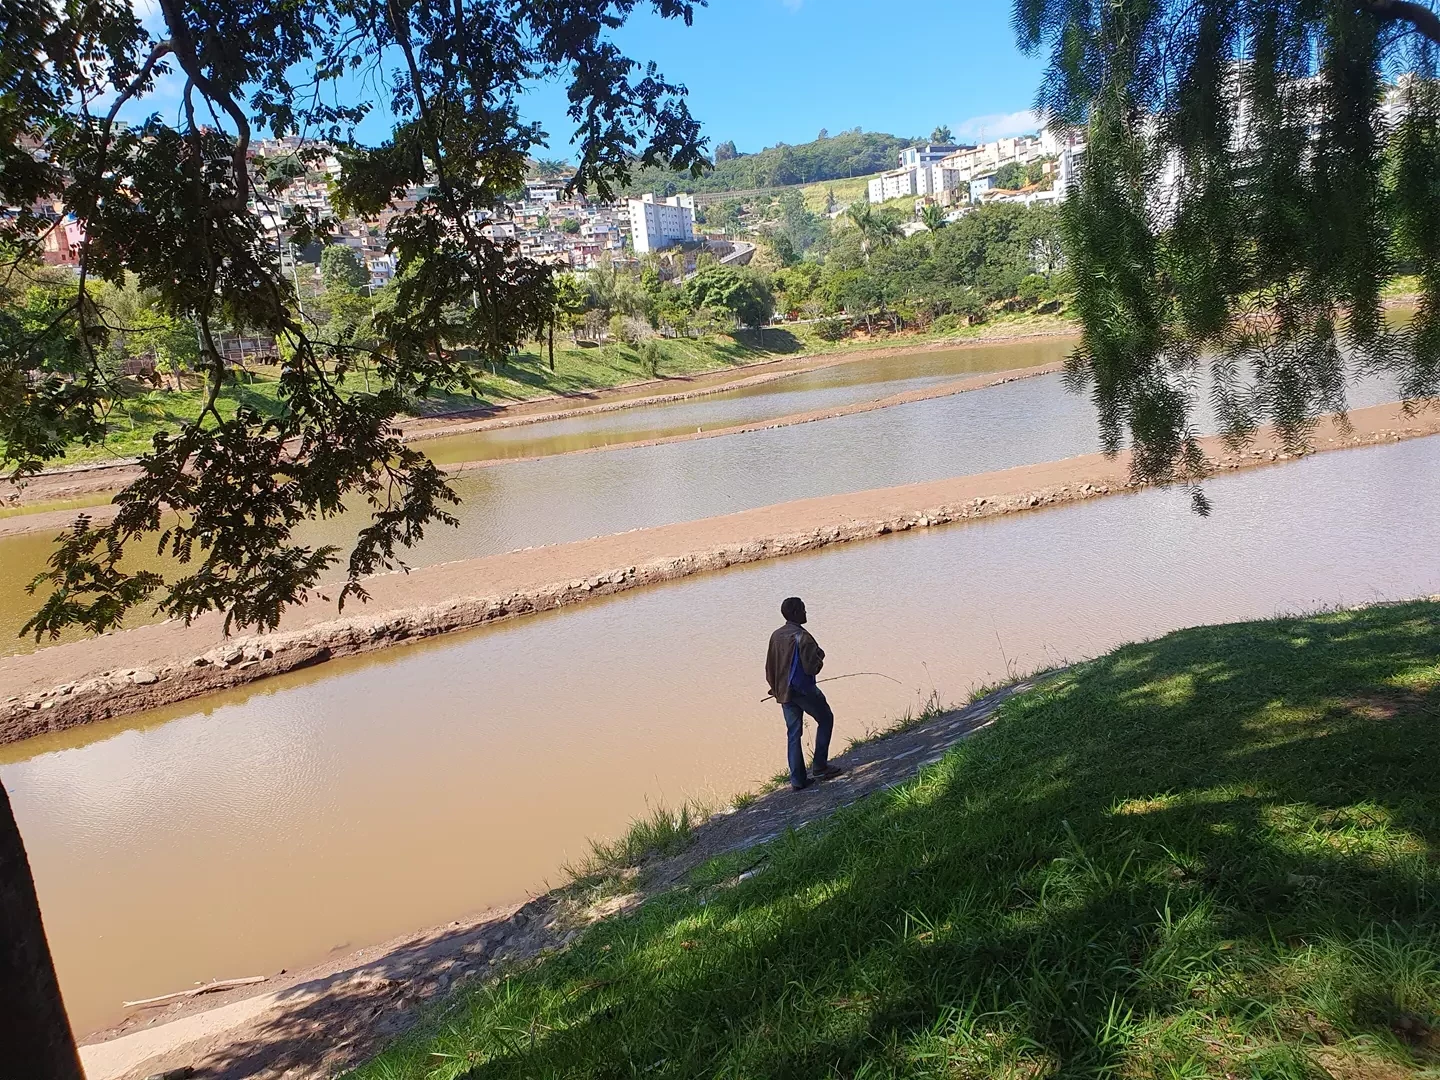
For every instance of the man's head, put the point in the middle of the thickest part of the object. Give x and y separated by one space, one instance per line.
793 609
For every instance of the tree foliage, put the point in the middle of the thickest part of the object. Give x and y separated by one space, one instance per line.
1249 188
341 267
178 204
742 293
850 153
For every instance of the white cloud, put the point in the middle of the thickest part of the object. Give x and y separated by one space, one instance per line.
999 125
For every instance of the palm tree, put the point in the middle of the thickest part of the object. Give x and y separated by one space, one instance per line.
548 167
933 218
876 230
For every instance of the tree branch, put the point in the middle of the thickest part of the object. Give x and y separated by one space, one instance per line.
162 49
1425 21
184 46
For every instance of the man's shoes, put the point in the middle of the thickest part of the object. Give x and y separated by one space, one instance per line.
825 772
809 783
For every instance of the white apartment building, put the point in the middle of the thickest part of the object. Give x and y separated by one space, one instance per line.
913 177
544 191
944 173
918 157
657 224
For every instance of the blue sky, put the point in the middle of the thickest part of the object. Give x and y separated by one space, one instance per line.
768 71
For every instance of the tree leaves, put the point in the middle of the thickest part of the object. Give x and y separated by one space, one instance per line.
173 202
1236 208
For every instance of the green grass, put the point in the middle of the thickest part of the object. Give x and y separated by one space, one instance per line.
140 413
1209 855
660 833
851 189
1404 287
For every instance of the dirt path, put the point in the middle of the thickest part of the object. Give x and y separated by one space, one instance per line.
315 1023
66 685
83 480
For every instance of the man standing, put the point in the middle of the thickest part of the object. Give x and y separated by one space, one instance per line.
791 664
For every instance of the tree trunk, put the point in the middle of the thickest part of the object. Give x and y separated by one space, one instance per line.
34 1029
552 343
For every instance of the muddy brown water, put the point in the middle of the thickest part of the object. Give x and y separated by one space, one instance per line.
572 496
555 499
824 388
324 810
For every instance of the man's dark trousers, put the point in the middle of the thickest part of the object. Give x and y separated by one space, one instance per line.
814 703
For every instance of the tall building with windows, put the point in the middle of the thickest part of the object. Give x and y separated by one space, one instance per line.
918 157
659 223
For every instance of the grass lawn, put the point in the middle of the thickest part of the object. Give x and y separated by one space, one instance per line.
134 420
1209 855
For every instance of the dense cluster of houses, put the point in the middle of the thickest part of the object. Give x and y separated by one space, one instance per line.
548 223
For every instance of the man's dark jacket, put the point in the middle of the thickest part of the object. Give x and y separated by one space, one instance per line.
781 656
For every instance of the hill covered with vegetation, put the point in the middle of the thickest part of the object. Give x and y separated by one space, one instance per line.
851 153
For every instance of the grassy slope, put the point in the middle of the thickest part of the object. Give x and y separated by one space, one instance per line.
1208 855
847 191
134 421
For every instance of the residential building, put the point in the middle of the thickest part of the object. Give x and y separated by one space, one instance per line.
544 191
63 242
1067 170
945 173
656 224
917 157
382 269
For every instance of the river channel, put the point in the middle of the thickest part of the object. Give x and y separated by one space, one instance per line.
554 499
328 809
823 388
567 497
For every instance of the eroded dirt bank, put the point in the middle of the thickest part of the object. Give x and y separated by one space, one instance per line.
125 672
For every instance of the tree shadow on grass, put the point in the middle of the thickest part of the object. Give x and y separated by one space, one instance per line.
1210 853
774 339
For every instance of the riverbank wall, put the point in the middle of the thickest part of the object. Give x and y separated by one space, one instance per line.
67 685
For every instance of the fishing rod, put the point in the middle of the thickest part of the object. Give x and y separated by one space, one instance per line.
836 678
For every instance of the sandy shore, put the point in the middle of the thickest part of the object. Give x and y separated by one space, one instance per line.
78 481
67 685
